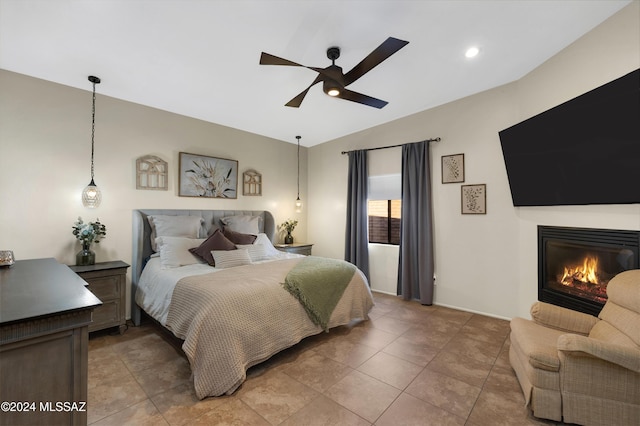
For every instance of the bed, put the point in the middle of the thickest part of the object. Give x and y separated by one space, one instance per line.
253 303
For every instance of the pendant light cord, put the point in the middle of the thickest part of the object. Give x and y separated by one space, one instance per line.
298 137
93 126
94 80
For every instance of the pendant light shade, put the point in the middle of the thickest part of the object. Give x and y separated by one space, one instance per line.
91 195
298 202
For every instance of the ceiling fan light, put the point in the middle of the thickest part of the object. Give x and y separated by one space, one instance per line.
472 52
331 88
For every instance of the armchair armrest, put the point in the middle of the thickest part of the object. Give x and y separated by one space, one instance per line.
562 319
624 356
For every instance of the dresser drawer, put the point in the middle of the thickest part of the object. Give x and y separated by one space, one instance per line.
105 288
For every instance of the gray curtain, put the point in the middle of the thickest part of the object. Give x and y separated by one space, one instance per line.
357 240
415 268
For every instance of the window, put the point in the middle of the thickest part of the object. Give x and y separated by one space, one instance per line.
384 221
384 208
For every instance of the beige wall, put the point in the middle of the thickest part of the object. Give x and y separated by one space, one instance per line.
484 263
45 151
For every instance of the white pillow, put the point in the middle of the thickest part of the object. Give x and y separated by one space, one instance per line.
256 251
231 258
269 249
174 251
243 224
174 226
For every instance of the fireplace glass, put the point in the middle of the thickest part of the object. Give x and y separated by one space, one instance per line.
576 264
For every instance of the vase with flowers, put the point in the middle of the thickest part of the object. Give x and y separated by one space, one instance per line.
88 233
289 225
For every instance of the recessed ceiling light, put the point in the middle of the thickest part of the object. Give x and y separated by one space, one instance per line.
472 52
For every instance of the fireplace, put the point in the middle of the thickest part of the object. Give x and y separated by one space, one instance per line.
576 264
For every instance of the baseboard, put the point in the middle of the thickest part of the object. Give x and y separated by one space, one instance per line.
458 308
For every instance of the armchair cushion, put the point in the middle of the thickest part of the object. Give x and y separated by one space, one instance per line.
620 319
605 332
537 343
562 319
623 290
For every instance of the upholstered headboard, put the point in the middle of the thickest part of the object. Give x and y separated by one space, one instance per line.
142 237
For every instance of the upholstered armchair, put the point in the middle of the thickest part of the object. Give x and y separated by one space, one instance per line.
577 368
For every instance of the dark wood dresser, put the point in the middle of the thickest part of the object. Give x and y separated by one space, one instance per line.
107 280
45 312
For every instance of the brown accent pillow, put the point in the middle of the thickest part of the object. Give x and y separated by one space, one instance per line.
238 237
217 241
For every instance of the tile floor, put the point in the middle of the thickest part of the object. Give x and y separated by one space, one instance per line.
409 365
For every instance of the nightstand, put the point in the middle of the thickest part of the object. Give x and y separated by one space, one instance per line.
297 248
107 281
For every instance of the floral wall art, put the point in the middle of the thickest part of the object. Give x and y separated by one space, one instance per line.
474 199
453 168
210 177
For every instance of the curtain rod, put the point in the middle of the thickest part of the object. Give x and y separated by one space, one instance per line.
390 146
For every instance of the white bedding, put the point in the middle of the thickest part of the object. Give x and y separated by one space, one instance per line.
156 284
235 318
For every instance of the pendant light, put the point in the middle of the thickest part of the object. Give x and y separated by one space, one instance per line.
91 195
298 202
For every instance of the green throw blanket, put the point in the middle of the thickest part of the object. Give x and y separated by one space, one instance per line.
318 283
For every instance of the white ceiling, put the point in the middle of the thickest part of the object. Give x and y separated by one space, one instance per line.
200 58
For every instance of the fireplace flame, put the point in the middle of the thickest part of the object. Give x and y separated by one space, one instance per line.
586 273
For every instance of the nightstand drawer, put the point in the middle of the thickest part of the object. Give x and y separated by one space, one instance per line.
105 315
105 288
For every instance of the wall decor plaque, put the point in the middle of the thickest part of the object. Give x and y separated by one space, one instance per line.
152 173
251 183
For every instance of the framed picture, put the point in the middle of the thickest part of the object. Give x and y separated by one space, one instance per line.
474 199
209 177
453 168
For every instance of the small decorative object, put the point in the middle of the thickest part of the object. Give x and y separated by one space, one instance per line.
88 233
210 177
6 258
91 195
289 226
252 183
151 173
453 168
474 199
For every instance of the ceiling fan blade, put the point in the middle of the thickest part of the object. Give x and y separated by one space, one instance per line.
268 59
295 102
352 96
382 52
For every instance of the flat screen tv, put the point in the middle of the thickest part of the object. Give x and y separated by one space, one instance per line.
584 151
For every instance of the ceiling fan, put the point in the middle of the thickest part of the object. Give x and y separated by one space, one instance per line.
334 81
